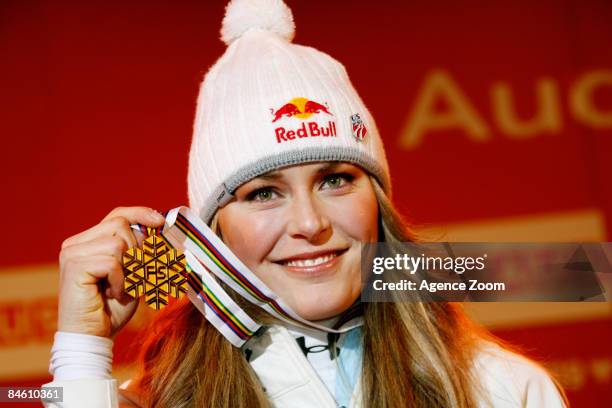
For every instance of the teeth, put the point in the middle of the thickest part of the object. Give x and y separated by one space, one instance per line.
311 262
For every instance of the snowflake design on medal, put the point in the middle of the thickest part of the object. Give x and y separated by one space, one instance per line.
155 271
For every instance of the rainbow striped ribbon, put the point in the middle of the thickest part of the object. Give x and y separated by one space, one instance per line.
216 305
206 254
208 296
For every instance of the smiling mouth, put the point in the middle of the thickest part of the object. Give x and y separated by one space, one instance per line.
313 261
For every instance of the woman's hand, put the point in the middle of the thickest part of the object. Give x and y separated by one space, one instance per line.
91 296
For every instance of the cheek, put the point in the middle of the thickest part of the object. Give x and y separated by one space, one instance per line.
249 236
358 217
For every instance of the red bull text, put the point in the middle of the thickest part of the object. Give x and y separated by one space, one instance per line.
308 129
302 109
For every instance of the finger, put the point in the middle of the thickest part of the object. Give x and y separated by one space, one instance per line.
109 245
123 298
137 215
93 269
117 224
140 237
112 292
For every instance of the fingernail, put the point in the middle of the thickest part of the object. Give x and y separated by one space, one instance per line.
155 216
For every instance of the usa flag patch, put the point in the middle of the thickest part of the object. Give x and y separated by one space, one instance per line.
359 129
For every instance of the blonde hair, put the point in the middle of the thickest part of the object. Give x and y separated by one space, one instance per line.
414 353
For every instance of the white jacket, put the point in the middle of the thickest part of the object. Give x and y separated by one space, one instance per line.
508 379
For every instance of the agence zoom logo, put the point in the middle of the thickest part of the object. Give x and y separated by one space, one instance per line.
302 109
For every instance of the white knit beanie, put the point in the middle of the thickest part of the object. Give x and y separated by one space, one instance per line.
268 104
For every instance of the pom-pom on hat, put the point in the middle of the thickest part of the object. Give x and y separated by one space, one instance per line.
269 15
268 104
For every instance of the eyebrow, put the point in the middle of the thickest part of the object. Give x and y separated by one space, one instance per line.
323 169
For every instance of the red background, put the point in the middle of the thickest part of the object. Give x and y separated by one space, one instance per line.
97 94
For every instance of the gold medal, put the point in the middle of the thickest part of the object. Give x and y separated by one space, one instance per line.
155 271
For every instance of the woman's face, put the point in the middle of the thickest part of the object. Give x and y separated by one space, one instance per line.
299 230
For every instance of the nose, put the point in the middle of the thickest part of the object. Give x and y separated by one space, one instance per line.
307 220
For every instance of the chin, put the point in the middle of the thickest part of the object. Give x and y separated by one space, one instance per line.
321 310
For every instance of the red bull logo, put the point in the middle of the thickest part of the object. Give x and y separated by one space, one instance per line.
302 109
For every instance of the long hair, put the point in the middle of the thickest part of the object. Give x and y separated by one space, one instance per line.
414 353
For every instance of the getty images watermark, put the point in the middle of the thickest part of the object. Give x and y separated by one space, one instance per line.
486 272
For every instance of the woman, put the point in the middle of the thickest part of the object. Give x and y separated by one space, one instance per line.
287 167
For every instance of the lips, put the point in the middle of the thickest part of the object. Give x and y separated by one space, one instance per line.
314 258
312 264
